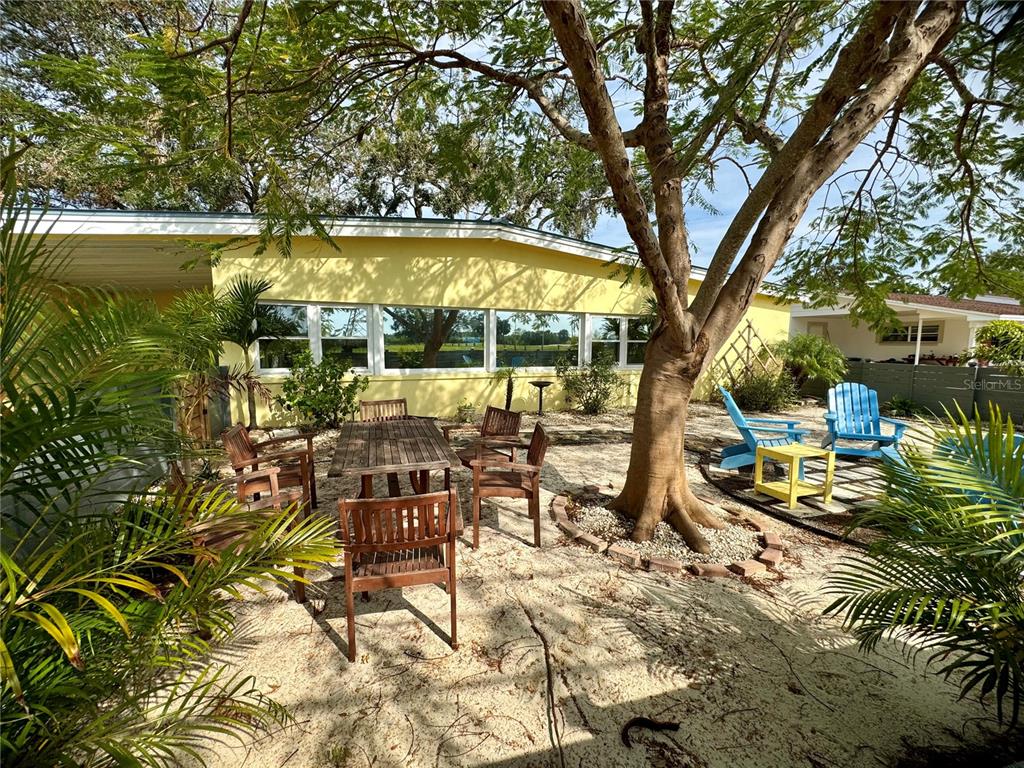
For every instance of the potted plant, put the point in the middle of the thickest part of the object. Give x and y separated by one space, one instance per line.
465 411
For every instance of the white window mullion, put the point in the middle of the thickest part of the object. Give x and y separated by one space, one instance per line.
587 338
376 339
313 331
491 340
623 340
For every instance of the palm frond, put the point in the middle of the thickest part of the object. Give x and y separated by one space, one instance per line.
946 575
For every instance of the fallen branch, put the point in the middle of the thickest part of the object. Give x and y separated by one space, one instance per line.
792 671
552 706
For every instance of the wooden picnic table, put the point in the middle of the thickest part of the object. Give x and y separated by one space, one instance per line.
416 446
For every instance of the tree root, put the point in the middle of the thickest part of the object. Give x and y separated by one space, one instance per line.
698 512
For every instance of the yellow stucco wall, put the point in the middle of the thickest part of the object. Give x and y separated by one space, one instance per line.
469 273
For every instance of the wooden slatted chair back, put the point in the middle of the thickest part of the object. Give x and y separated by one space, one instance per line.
500 423
383 410
539 443
398 523
856 409
237 444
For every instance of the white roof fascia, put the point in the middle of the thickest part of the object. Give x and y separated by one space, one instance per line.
198 225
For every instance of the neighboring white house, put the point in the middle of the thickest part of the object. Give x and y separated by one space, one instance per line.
935 329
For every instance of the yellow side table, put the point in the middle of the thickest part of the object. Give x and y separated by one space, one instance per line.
790 489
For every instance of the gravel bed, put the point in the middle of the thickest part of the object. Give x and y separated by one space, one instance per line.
731 544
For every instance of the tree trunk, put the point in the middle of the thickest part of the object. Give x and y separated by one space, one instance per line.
656 488
441 324
509 383
250 395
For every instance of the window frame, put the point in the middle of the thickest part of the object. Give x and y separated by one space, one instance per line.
621 361
318 351
313 337
910 331
380 366
375 342
584 332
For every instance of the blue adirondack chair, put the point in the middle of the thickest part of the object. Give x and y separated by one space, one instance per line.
756 432
853 415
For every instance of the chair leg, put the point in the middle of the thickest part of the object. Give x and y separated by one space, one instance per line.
476 521
366 597
350 609
299 590
535 514
454 616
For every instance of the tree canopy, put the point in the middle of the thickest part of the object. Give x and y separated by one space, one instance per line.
471 109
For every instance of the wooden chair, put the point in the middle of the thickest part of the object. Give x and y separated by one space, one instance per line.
398 542
509 479
497 423
297 467
257 490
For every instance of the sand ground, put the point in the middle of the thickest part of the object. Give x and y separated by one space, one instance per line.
560 647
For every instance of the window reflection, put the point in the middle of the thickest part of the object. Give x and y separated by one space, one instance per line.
417 337
537 339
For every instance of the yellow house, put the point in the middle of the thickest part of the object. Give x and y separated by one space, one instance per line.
429 309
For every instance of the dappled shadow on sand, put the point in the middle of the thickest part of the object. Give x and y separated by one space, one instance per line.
561 651
561 647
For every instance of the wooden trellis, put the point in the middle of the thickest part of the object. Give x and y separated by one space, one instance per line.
746 351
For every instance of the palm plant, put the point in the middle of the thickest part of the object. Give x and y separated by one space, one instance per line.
111 612
508 376
946 574
246 321
197 320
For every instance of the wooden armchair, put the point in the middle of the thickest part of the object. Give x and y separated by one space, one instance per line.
507 478
398 542
296 465
497 423
257 490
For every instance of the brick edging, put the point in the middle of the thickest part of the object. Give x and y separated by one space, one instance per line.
772 554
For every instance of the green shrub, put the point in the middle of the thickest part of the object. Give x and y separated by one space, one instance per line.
317 392
898 405
1000 343
589 386
766 391
945 574
808 356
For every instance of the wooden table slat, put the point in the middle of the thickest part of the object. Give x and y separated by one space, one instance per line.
374 448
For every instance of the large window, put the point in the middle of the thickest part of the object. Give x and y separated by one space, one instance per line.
387 339
415 337
620 339
606 333
336 333
343 335
907 334
536 339
291 331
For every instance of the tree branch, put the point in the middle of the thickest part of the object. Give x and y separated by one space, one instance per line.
886 77
229 41
573 35
855 62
